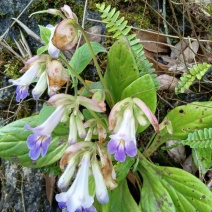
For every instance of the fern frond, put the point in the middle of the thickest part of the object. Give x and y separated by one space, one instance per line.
199 139
119 27
196 72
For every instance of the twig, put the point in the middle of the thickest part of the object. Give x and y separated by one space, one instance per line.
156 33
2 43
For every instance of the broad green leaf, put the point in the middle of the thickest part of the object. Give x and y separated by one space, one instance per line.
184 120
45 34
42 49
13 143
121 68
122 200
190 117
202 159
82 56
171 189
144 89
122 169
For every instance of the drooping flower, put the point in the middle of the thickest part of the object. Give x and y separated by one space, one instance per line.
52 50
123 141
39 141
48 72
77 197
25 80
100 186
123 120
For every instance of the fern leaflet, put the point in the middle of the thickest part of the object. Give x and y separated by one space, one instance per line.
120 29
196 72
199 139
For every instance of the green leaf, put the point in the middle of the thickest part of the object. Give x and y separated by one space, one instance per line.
202 159
121 68
82 56
45 34
122 169
13 143
144 89
171 189
122 200
42 49
190 117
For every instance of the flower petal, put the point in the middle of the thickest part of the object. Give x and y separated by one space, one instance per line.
21 92
120 155
130 149
112 145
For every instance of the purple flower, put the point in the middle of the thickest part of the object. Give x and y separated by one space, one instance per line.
123 141
77 198
39 141
24 81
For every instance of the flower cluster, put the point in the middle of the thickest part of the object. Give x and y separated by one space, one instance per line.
82 156
66 105
50 74
123 120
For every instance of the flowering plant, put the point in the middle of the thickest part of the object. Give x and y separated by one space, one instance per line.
93 131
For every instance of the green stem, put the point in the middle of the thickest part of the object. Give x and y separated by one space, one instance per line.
98 119
98 69
74 73
158 141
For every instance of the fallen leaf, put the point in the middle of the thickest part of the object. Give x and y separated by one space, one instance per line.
167 82
50 185
147 37
178 154
178 48
190 52
189 165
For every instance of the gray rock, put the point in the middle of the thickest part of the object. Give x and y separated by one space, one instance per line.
22 189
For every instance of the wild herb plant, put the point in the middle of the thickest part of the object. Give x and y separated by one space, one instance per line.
92 132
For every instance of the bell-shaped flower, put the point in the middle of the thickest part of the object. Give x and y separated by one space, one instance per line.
100 186
76 127
65 35
123 141
24 81
77 197
52 50
39 141
40 86
57 76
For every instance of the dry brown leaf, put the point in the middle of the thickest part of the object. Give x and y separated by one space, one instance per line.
167 82
145 37
189 165
190 52
50 185
178 48
158 66
178 153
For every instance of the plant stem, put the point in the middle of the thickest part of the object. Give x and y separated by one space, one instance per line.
98 69
74 73
98 119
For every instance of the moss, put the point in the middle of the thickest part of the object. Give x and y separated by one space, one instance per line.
134 12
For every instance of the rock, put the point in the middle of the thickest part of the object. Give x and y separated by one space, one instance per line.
22 189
